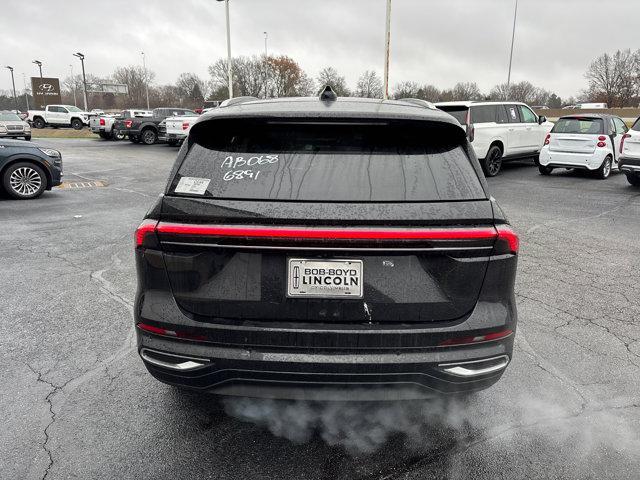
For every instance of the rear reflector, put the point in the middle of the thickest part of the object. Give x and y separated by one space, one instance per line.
477 339
471 233
169 333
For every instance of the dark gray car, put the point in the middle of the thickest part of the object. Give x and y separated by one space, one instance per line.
27 169
326 249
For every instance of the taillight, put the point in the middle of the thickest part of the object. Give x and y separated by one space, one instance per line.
547 139
477 339
169 333
185 125
128 123
507 242
102 122
251 231
146 234
471 132
626 135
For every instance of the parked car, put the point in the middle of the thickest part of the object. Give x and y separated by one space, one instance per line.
177 128
103 124
11 125
27 170
586 141
500 131
59 116
592 106
629 162
145 129
326 249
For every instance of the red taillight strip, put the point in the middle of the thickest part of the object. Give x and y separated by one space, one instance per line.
458 233
505 233
477 339
146 227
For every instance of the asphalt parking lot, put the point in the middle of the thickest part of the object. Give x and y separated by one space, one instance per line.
78 403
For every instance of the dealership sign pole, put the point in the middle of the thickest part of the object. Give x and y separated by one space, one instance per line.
44 98
26 96
387 42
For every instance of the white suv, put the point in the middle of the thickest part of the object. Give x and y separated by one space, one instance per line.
589 141
500 131
629 161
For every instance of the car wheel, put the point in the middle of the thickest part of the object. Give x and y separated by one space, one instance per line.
633 179
117 136
76 124
24 181
134 139
28 138
149 136
492 163
545 170
605 169
38 122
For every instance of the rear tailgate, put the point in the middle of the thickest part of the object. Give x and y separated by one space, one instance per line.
381 227
573 143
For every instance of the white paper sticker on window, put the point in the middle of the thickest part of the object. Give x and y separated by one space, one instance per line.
193 185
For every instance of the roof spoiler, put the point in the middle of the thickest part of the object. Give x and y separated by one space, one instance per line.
419 102
236 101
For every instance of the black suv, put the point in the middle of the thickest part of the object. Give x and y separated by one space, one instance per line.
332 248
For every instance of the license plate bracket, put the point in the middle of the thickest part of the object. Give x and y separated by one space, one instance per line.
325 278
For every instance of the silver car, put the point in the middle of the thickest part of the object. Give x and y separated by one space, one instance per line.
11 125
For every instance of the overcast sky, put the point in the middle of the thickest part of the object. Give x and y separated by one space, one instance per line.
432 41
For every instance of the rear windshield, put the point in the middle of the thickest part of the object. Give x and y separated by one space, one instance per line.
328 161
579 125
459 113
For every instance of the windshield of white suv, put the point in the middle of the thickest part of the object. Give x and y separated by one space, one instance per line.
579 125
71 108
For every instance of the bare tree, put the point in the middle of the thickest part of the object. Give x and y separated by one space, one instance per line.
614 78
406 90
287 79
136 78
369 85
330 76
466 91
429 93
192 89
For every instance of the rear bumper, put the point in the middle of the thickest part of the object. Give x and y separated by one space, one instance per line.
589 161
175 136
312 375
629 165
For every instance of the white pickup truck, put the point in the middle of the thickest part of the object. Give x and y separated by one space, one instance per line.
103 124
177 128
58 116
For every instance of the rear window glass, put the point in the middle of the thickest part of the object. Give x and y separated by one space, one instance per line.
325 162
636 126
579 125
459 113
485 114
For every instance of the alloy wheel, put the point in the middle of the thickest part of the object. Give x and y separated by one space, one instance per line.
25 181
494 163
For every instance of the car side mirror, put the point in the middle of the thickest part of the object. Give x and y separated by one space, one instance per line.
541 119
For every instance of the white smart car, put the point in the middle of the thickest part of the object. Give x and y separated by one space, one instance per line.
630 154
588 141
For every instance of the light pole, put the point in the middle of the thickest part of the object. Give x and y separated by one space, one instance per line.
146 79
44 97
387 43
13 82
229 69
84 80
266 56
24 84
513 36
75 103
